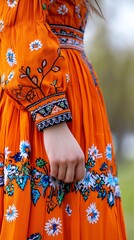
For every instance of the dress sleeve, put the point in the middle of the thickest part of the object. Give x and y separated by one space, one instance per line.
36 73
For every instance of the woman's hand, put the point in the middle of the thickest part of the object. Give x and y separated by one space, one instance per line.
64 153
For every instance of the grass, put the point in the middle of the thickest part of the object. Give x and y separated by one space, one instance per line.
126 176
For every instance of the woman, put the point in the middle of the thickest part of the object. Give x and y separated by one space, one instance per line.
57 165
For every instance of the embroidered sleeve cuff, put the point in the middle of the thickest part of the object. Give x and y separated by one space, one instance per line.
50 111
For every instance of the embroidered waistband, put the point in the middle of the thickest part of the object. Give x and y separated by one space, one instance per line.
69 37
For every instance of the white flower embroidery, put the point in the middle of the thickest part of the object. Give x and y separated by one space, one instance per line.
1 25
24 148
93 151
5 175
67 77
92 213
11 75
35 45
11 3
6 152
85 183
54 182
11 213
62 10
11 57
53 227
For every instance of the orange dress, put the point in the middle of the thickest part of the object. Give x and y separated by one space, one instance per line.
46 79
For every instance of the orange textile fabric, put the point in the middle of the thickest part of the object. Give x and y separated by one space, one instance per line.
46 79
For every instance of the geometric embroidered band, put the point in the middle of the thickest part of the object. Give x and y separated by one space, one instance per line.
68 37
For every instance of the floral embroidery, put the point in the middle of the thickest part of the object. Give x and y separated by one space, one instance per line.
11 3
67 77
109 152
62 9
4 81
6 152
68 210
1 25
111 181
17 170
35 45
53 227
11 76
117 191
29 93
11 57
24 149
92 214
11 213
35 236
94 152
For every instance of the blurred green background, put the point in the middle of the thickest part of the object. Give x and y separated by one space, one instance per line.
110 47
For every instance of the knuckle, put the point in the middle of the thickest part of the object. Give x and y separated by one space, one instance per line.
61 177
72 160
54 174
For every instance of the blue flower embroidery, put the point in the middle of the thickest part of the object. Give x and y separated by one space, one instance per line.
11 213
20 171
11 57
53 227
35 45
25 149
17 157
108 152
92 214
22 180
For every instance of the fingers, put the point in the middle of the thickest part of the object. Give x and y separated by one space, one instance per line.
79 171
70 172
54 168
62 171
